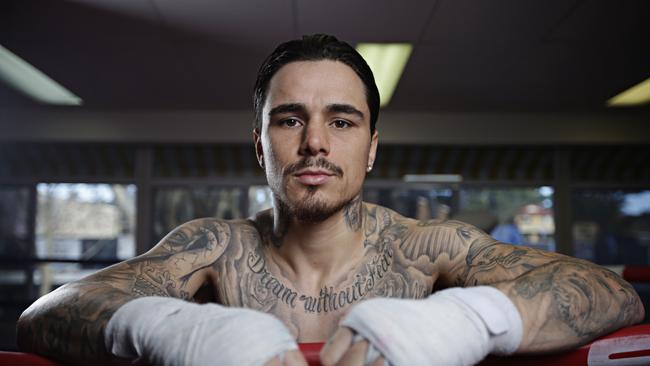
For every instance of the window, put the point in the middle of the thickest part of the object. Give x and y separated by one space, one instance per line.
419 201
92 223
611 226
175 206
259 198
522 216
14 221
15 240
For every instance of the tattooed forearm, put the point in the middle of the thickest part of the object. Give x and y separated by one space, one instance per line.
67 325
564 301
72 333
570 302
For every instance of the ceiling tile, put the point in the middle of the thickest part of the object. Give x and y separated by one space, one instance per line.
598 20
48 21
139 9
231 21
365 20
500 54
222 75
497 21
503 77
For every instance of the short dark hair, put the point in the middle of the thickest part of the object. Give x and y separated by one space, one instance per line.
314 48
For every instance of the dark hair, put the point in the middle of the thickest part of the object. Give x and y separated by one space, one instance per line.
313 48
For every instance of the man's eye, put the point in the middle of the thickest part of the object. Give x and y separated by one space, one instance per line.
339 123
290 122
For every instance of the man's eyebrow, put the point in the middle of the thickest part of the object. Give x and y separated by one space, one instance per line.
344 108
288 108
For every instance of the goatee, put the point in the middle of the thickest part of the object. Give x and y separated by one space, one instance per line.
310 209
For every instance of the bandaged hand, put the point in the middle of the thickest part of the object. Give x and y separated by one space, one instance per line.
173 332
457 326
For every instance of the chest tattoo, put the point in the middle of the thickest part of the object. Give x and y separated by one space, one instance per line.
332 300
265 284
266 281
249 278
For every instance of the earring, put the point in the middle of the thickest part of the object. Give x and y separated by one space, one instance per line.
369 168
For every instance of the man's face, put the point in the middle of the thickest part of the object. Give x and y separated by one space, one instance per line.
315 144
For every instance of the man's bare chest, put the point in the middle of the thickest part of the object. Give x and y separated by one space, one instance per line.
247 278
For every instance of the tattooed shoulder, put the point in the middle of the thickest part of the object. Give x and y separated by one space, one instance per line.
436 238
176 265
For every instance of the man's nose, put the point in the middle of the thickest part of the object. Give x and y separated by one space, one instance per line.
315 140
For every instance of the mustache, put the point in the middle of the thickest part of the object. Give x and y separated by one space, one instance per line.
313 163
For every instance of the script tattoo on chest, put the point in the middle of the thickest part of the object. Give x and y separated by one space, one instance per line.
267 281
332 300
328 299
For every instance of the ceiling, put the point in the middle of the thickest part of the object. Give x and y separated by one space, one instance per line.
499 55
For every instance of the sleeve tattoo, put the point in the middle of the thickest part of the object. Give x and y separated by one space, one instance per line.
578 298
68 324
564 301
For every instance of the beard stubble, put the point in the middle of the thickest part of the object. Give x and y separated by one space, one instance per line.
310 208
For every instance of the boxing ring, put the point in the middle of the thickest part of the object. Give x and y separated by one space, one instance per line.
625 347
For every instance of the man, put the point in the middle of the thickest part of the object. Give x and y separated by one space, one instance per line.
322 264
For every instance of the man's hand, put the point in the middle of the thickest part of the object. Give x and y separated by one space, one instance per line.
456 327
340 350
172 332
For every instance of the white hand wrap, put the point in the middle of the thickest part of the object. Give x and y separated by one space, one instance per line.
172 332
457 326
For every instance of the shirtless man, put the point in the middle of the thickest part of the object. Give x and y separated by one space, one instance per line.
322 264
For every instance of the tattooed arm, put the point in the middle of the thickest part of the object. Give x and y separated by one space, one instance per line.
564 302
68 324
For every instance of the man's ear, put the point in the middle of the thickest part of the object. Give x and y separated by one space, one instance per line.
257 138
372 154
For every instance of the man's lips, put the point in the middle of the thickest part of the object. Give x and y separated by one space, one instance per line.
313 177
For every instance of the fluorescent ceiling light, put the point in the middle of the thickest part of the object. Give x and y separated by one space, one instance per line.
32 82
636 95
387 61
